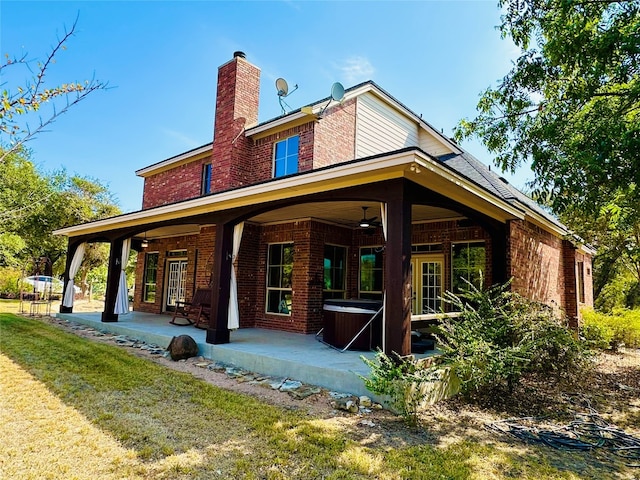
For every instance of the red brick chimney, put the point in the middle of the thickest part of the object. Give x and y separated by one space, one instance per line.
236 109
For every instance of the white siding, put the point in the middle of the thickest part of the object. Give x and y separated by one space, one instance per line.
431 145
380 128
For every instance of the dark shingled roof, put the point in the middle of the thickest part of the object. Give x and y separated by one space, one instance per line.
473 169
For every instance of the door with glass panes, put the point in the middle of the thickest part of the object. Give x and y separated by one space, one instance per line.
426 276
176 282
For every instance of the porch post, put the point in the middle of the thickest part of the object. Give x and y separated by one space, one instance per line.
71 250
498 254
113 278
217 331
397 274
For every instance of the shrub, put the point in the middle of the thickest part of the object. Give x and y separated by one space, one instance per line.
408 383
500 336
10 282
619 328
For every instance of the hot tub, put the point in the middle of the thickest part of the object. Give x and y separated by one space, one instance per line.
343 319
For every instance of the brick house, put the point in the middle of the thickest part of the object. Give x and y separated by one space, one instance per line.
301 186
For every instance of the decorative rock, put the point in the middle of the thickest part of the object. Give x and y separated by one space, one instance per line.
365 401
304 391
348 404
338 395
276 383
289 385
182 347
367 423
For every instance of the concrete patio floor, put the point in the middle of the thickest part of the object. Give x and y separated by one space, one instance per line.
268 352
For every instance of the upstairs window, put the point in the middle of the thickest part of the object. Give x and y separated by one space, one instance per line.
206 179
285 157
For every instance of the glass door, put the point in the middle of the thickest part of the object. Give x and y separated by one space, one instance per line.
176 282
426 275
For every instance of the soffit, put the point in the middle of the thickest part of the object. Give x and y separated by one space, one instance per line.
411 164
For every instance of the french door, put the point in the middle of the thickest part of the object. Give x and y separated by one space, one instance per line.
426 276
176 282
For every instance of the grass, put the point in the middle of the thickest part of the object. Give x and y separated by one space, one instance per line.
92 410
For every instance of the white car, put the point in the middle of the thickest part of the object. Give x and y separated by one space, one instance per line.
44 283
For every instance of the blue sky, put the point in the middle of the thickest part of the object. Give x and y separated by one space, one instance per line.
161 60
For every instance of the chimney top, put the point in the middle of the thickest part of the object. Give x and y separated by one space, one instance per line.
239 54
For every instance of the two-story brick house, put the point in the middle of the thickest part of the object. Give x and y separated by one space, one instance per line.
279 206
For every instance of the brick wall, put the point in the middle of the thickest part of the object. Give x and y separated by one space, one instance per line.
264 147
335 135
536 262
162 246
237 102
179 183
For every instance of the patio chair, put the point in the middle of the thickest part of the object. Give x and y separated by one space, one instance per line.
196 312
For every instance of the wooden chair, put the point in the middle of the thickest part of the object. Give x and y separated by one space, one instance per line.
196 312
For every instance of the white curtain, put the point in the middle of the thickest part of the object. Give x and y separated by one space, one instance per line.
69 293
233 320
383 219
122 300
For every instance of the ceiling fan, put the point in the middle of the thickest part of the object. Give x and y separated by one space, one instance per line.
367 222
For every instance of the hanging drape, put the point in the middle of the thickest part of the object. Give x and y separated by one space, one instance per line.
383 220
122 300
233 319
69 293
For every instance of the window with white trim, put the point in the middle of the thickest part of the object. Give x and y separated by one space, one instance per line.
279 278
285 157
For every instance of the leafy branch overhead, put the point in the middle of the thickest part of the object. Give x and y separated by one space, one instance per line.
19 103
570 105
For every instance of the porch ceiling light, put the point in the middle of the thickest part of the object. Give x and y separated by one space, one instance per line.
144 243
366 222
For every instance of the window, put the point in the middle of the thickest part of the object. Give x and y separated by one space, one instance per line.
150 275
580 281
285 161
371 273
335 269
467 263
279 278
206 179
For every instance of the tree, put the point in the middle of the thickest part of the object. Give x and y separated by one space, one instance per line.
34 204
571 102
18 103
571 106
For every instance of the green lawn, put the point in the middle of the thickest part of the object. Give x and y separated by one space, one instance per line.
166 424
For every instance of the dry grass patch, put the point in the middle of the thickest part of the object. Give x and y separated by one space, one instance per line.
37 427
172 425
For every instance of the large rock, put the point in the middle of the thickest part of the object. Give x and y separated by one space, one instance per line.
182 347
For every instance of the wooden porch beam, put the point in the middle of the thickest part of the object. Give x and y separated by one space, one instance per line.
397 273
113 278
217 331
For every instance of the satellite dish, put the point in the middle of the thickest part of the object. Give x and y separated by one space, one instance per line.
282 87
337 92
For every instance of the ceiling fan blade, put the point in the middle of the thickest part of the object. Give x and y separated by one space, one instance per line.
372 219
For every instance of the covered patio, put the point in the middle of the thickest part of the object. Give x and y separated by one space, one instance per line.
409 187
268 352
